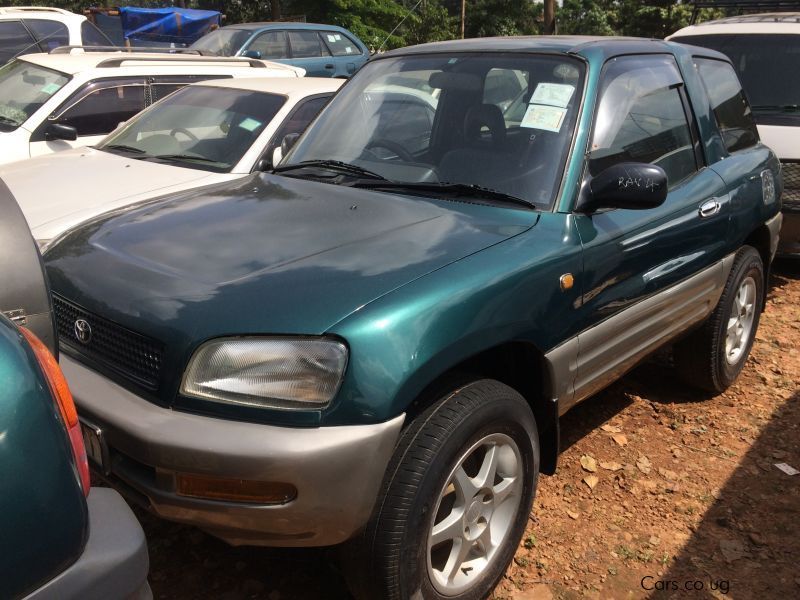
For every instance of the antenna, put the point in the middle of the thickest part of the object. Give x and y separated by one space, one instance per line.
391 33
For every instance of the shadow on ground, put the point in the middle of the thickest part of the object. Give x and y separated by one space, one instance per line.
748 543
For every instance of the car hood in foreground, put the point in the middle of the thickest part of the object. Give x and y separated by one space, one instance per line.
57 191
268 254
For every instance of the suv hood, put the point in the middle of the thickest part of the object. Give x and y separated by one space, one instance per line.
53 194
269 254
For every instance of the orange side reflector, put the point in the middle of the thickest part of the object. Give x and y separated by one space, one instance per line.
235 490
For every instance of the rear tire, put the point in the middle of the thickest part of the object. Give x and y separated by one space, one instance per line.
712 357
454 502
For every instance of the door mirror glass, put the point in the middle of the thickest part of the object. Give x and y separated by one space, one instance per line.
633 186
59 131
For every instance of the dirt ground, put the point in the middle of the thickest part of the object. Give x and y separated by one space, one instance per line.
660 493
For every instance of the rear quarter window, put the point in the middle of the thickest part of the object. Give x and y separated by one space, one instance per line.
729 103
49 34
339 44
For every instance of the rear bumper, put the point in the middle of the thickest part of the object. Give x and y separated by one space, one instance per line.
114 562
337 471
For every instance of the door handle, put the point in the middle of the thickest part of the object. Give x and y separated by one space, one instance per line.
329 67
709 208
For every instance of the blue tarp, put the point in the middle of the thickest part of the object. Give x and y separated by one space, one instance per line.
168 25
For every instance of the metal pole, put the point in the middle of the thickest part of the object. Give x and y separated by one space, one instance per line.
549 17
463 16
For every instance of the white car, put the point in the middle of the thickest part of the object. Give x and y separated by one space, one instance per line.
765 51
71 98
28 29
203 134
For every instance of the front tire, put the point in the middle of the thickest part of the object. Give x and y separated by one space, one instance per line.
712 357
455 499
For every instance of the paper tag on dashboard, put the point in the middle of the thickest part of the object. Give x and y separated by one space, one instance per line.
552 94
547 118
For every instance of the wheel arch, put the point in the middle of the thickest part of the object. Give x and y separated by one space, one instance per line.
521 366
761 239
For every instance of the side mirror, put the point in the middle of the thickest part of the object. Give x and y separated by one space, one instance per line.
59 131
252 54
277 155
633 186
287 142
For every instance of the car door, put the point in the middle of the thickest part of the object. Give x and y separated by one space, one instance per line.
95 110
307 51
347 55
648 274
268 45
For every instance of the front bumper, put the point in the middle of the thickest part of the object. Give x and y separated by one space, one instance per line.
114 562
337 471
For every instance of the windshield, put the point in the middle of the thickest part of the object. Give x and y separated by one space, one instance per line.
24 88
768 65
201 127
494 121
222 42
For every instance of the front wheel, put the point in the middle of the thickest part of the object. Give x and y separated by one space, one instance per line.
455 500
712 357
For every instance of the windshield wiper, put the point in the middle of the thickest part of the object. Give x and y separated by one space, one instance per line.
180 157
122 148
461 190
777 107
331 165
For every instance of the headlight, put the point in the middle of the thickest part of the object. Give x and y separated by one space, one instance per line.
285 373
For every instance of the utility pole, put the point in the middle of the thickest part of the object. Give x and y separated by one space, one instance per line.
463 16
275 5
549 17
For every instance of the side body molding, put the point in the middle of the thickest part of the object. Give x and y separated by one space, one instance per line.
588 362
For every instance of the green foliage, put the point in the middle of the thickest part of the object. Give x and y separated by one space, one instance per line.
502 17
586 17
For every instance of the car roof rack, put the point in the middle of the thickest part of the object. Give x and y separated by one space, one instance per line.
132 49
230 60
11 9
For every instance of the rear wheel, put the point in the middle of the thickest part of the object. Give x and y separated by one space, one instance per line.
712 357
455 499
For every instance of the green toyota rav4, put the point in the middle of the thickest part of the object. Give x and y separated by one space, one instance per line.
373 343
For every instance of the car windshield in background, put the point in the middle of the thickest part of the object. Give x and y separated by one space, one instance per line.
768 65
201 127
24 88
222 42
481 125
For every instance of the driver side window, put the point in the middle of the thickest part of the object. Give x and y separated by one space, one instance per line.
641 118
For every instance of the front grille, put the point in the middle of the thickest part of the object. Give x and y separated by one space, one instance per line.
790 171
128 354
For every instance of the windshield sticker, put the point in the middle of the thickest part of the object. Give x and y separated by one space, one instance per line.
547 118
338 37
349 49
331 37
51 88
250 124
552 94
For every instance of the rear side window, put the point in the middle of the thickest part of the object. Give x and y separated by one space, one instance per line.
15 40
730 106
104 106
339 44
50 34
641 118
271 44
92 36
305 44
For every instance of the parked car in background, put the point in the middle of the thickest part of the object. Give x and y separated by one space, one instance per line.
322 50
60 539
204 133
30 29
373 344
765 51
71 98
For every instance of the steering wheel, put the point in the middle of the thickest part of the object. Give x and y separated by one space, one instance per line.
404 154
192 137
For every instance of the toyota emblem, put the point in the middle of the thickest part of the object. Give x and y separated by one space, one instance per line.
83 331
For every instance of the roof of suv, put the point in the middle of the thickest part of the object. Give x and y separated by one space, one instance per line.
39 11
78 61
788 22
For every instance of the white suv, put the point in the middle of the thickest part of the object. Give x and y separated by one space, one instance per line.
27 29
71 98
765 51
